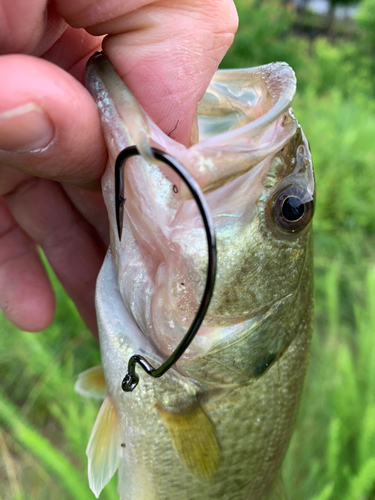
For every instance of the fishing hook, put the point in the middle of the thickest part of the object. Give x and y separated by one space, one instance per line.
131 379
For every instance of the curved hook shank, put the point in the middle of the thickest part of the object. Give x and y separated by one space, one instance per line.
131 379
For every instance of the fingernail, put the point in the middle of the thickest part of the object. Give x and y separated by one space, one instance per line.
25 129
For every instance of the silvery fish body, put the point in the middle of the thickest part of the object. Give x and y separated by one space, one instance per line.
217 425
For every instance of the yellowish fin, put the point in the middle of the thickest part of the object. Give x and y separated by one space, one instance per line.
104 448
91 383
194 438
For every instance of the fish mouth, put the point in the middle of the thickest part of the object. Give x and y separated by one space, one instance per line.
243 121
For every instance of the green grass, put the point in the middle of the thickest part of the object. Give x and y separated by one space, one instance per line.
332 453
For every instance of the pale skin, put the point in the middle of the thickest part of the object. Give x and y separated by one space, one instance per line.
52 153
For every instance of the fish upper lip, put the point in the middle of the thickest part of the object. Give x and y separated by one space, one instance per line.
282 76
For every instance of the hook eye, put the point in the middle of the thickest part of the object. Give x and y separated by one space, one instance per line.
131 379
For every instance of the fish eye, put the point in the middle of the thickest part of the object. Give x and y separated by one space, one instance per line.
293 209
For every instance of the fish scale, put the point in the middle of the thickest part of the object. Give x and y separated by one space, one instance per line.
216 426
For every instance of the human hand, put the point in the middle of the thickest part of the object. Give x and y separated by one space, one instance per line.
52 153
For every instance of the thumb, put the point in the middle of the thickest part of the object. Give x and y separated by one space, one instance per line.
165 51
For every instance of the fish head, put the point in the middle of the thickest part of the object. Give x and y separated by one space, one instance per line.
252 161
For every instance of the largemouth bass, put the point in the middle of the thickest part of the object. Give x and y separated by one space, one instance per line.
217 425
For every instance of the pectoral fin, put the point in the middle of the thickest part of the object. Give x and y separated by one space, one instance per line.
91 383
104 448
194 438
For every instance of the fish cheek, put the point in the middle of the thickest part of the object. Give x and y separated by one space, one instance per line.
255 269
249 348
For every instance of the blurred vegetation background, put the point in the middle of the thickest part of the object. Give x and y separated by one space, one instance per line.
45 426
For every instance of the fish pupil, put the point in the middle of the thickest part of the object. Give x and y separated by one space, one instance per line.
292 209
290 213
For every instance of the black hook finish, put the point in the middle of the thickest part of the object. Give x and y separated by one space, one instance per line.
131 379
